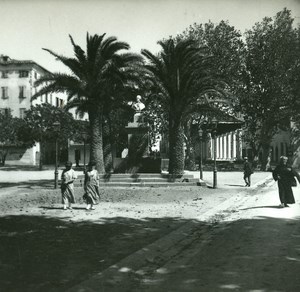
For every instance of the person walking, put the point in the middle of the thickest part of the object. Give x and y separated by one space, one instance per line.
247 172
91 186
67 186
285 177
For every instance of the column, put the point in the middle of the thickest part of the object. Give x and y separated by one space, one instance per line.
232 145
225 146
218 147
229 146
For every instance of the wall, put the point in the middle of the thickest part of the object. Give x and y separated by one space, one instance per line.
22 156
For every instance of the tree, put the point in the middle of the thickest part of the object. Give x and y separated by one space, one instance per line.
265 98
226 48
9 127
224 43
38 126
181 75
95 78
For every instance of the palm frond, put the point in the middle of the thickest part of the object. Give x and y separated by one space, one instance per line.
79 53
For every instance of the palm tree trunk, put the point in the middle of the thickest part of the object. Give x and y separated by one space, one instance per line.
96 148
107 147
107 156
176 151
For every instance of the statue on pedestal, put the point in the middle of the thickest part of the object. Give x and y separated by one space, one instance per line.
138 106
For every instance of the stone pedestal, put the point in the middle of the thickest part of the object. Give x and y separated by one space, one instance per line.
137 134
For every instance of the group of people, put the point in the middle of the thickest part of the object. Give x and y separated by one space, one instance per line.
283 174
91 186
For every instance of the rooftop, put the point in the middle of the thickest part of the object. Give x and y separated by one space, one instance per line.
6 61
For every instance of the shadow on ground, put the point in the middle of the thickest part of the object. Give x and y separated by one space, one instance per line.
263 207
30 184
26 167
45 254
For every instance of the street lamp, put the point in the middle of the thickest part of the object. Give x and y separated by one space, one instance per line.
214 134
84 137
200 159
56 126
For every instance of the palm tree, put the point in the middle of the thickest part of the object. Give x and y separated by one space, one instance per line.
182 75
95 76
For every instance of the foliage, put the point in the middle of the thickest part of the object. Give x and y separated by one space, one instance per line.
9 128
225 46
294 78
97 78
226 49
39 124
80 132
116 122
266 96
114 136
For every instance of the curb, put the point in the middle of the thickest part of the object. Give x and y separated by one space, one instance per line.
169 246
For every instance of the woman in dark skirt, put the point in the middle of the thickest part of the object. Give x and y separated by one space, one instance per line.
91 186
284 175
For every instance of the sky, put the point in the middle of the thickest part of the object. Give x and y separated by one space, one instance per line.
27 26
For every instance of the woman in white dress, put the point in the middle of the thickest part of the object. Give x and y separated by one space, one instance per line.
67 186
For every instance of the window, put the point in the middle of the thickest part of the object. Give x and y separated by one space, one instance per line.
35 75
4 92
4 111
59 102
22 91
23 74
46 98
4 74
22 113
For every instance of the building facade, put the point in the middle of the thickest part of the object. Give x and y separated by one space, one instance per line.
231 147
17 78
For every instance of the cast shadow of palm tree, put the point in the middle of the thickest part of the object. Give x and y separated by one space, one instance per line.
30 184
261 207
38 248
40 253
60 208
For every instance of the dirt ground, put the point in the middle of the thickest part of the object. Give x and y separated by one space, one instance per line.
44 248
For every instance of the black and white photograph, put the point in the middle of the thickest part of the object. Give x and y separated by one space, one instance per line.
150 145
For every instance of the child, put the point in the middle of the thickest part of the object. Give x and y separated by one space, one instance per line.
67 187
91 186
